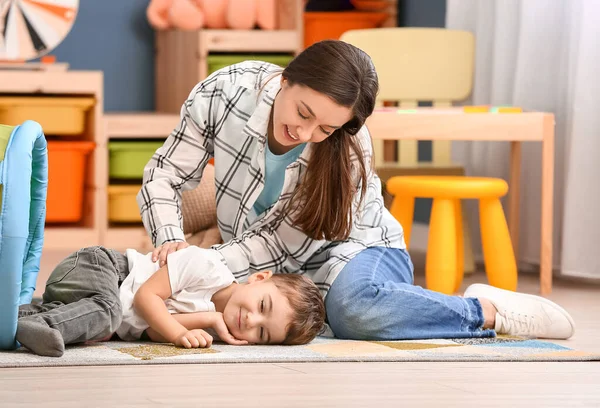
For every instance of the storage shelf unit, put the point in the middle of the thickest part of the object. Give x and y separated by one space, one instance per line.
147 125
182 56
131 126
94 228
61 84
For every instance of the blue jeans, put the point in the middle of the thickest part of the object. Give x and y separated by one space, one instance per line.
374 298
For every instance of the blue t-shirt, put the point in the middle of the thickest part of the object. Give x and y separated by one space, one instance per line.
275 166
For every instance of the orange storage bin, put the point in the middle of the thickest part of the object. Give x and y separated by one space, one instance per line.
320 26
66 179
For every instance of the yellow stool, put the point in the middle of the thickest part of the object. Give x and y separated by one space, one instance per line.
444 262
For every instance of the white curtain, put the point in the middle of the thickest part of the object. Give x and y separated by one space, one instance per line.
542 55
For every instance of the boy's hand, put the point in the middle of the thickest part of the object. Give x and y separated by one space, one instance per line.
223 332
196 338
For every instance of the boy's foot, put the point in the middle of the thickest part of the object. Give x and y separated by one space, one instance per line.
40 338
521 314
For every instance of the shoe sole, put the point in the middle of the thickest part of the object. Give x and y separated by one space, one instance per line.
547 302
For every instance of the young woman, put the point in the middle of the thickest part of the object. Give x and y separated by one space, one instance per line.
296 193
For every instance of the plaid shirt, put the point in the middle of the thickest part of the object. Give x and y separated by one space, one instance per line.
226 116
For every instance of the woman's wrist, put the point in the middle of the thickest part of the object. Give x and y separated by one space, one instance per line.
168 234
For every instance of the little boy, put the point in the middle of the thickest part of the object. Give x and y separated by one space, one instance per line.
96 292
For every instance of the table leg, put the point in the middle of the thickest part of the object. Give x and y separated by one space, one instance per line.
547 206
514 195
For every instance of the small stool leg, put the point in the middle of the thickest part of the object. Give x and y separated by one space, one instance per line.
403 209
500 264
460 241
469 259
441 260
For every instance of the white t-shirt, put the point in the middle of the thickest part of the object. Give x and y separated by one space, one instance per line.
195 275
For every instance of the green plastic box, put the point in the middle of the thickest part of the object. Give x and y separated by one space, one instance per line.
127 159
218 61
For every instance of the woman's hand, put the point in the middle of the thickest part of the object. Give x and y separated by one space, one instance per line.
160 253
197 338
223 332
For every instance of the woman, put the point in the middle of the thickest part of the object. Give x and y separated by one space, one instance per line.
295 193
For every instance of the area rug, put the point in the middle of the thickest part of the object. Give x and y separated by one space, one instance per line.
501 348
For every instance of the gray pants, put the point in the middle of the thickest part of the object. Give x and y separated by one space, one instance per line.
81 299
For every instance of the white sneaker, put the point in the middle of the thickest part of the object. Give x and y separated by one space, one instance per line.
520 314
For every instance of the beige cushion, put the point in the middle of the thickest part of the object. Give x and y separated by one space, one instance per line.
199 210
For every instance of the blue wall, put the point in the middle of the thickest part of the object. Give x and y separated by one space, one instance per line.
422 13
113 36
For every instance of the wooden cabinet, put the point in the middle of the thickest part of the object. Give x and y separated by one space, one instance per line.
76 84
181 59
132 126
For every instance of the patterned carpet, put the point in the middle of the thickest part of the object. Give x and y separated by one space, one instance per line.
501 348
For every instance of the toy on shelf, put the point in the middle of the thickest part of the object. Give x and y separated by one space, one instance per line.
193 15
506 109
476 109
492 109
324 25
370 5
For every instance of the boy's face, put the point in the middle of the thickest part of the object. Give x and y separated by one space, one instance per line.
258 312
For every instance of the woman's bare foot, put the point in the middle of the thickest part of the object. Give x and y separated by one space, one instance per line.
489 313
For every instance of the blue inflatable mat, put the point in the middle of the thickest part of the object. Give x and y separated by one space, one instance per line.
24 182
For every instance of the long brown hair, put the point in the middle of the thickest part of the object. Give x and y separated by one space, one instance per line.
323 201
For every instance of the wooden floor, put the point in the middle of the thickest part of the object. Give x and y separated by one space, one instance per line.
332 384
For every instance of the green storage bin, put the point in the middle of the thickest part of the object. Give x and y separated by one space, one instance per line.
127 159
218 61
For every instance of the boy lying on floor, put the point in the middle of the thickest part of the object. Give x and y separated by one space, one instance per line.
96 292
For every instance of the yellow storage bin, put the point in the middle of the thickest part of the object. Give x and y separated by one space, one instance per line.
122 206
57 115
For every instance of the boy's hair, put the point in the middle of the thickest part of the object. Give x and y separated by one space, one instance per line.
307 304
